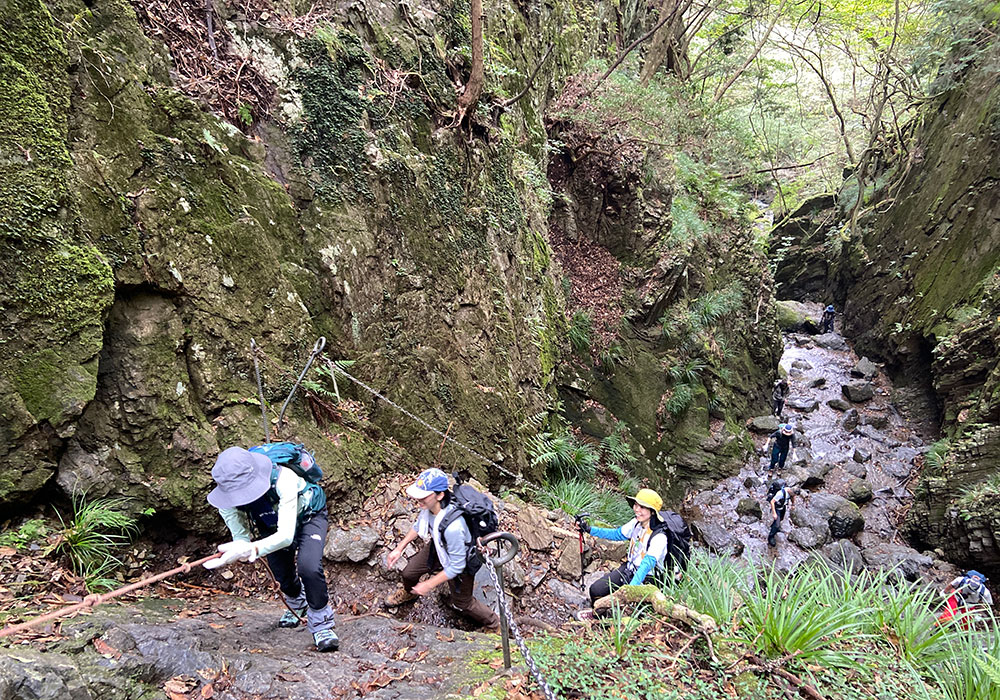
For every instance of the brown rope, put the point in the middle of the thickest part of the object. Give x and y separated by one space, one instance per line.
98 598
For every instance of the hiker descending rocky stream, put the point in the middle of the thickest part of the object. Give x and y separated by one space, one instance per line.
856 455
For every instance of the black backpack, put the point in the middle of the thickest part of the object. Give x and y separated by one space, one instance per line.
480 518
773 488
678 538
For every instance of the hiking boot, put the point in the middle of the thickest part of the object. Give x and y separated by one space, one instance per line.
289 620
771 542
494 628
326 640
398 597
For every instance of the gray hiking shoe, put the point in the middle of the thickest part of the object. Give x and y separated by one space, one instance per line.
326 640
289 620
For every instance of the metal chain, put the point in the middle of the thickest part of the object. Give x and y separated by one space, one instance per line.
512 626
518 479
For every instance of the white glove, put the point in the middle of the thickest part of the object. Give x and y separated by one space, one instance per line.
237 550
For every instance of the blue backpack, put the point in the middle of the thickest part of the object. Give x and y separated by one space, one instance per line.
301 461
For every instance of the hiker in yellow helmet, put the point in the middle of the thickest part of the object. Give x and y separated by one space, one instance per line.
648 542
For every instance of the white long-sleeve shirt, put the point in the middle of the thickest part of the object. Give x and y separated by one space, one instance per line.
293 498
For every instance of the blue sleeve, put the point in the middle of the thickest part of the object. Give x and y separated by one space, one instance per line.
647 564
608 533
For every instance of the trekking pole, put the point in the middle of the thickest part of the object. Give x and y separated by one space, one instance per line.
579 518
260 390
501 558
317 349
98 598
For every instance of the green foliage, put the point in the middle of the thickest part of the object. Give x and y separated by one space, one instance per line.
92 534
961 33
579 331
689 371
937 454
325 387
679 399
792 614
616 449
563 454
711 585
623 628
572 496
30 531
969 671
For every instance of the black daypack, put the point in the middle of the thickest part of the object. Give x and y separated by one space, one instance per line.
480 517
678 538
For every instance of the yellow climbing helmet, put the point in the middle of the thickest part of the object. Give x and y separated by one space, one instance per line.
647 498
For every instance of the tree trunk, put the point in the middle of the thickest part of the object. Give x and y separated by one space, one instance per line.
468 100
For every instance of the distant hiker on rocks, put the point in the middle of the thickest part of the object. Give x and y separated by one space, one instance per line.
826 321
781 441
445 553
970 590
778 394
273 490
648 538
778 500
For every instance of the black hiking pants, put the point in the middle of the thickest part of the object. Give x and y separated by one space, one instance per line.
778 457
779 404
305 570
776 524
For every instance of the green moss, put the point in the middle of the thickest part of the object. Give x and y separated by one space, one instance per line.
52 386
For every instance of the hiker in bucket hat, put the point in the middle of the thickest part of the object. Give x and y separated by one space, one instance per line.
783 439
647 549
444 555
288 513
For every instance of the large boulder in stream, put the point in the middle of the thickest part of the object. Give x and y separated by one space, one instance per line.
811 528
907 562
831 341
845 555
795 317
717 538
844 518
858 392
865 369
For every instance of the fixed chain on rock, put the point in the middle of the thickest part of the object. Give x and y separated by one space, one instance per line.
515 630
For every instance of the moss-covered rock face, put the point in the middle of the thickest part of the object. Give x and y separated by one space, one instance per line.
696 345
145 242
923 294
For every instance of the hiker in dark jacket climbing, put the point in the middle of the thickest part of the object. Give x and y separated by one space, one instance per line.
647 549
444 555
826 321
781 441
289 515
778 395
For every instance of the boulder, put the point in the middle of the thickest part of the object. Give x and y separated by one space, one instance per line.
355 545
865 369
817 383
816 473
838 404
570 564
831 341
812 526
826 503
861 455
536 531
717 538
606 550
764 424
513 575
895 468
858 392
806 405
844 554
875 420
870 433
570 593
859 491
851 420
749 507
855 469
801 364
846 521
795 316
907 562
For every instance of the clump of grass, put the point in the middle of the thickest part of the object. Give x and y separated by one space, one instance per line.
29 531
580 331
92 534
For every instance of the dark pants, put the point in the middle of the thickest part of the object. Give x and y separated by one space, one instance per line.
778 456
307 571
827 325
778 405
776 525
461 586
610 582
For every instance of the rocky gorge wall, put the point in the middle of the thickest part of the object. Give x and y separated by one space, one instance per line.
147 240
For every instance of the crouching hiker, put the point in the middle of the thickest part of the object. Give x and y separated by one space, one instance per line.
445 553
970 590
648 544
288 512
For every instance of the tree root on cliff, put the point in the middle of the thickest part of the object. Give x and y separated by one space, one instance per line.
662 605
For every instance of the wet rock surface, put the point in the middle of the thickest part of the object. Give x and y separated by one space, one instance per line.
846 511
236 650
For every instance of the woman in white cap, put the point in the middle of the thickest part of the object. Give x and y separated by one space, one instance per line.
289 514
443 555
648 542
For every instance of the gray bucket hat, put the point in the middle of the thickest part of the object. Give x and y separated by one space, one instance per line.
241 477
